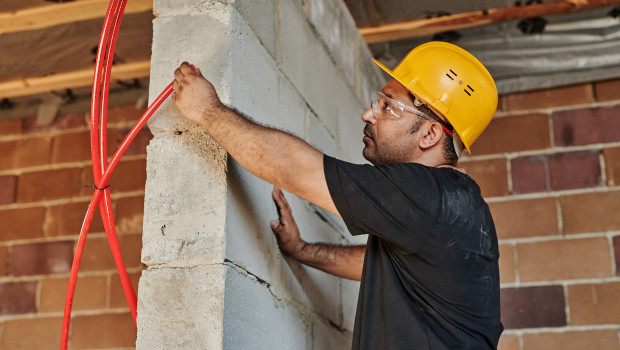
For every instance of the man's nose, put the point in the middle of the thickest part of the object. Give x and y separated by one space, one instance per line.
368 116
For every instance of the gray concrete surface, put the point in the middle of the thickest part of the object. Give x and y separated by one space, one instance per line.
215 277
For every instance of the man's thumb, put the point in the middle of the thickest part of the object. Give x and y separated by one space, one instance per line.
274 224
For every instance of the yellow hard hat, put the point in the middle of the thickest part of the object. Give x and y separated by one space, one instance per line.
452 82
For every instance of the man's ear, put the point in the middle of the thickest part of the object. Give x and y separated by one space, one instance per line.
432 133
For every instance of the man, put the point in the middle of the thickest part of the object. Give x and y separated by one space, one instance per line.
429 273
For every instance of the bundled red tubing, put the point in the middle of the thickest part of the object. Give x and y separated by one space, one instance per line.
101 169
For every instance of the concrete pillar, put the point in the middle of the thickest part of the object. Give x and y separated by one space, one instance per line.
215 278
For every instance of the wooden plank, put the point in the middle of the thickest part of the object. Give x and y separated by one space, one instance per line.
416 28
61 13
71 80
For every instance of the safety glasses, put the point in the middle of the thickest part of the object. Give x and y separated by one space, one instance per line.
386 107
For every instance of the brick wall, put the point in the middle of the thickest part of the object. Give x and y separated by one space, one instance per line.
549 166
41 212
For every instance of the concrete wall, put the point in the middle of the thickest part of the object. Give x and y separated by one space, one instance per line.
215 277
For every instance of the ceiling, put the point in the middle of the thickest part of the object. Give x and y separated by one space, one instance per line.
47 48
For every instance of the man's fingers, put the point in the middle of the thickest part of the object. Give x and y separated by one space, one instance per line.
187 69
178 74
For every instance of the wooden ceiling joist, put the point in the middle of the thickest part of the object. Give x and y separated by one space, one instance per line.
416 28
62 13
71 80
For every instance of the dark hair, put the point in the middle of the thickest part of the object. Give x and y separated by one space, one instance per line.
448 150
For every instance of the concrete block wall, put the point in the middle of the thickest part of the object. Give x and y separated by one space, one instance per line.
549 166
41 212
215 276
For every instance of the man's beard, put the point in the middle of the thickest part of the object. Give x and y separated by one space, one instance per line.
384 154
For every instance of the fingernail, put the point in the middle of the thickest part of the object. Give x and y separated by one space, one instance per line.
193 67
274 224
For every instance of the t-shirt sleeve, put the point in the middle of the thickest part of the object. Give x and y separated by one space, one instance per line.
398 203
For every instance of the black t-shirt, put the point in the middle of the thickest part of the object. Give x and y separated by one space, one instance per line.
431 277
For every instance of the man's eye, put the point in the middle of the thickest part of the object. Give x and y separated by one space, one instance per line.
388 107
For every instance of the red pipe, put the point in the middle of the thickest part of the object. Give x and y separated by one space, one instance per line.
101 83
93 205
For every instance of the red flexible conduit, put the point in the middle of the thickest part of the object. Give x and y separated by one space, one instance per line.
101 84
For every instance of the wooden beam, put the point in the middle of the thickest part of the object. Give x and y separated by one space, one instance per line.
62 13
71 80
436 25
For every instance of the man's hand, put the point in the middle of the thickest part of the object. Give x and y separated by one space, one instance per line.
286 231
193 94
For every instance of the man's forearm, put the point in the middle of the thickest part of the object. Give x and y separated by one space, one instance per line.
341 261
273 155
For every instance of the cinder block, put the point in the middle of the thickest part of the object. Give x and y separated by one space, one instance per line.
254 77
291 108
317 290
370 76
326 336
261 17
350 293
334 24
184 212
307 64
321 137
351 127
254 318
201 38
249 208
181 308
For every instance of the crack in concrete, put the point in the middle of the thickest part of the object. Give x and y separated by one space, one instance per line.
243 271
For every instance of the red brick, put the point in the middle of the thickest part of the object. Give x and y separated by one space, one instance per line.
4 251
138 145
41 258
103 331
612 165
66 220
590 212
97 255
8 184
117 294
561 171
607 90
491 175
532 307
586 126
129 176
18 298
31 333
514 219
10 127
616 254
509 342
572 340
556 97
514 134
131 249
530 174
90 293
48 185
506 263
129 214
124 113
21 223
62 122
564 259
25 153
594 303
75 147
574 170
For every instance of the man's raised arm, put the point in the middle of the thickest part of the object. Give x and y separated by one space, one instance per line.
274 156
